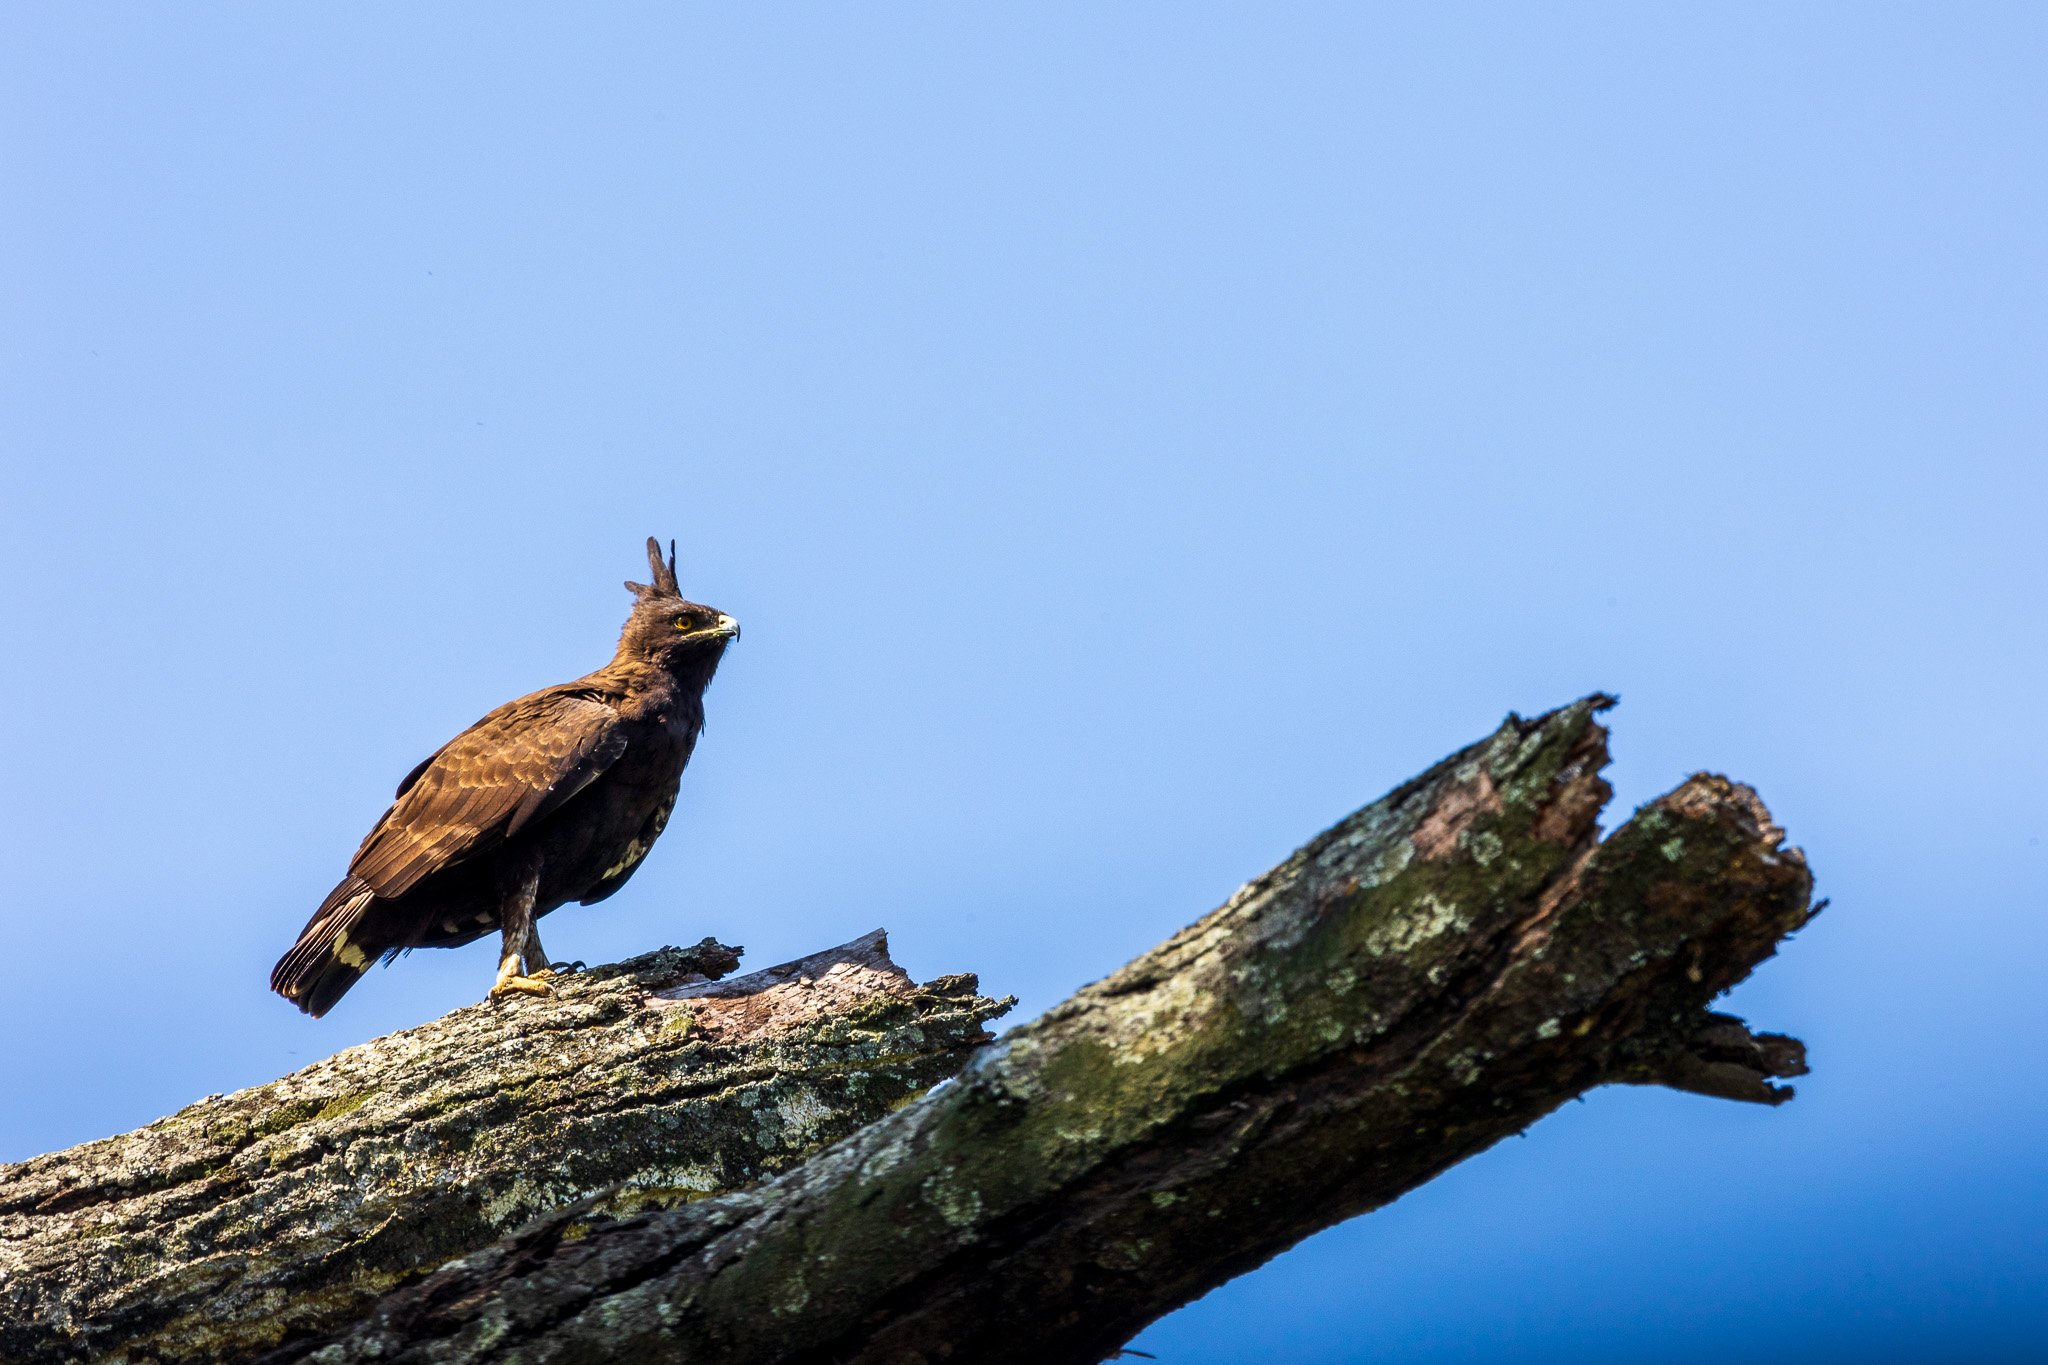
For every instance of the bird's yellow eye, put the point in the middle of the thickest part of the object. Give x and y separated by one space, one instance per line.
683 623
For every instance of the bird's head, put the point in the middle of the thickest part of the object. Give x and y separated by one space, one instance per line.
668 629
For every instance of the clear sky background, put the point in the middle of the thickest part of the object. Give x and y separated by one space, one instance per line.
1133 436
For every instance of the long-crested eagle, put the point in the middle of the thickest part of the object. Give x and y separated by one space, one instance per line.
555 797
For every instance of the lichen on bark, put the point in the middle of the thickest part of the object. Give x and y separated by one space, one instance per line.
1431 975
246 1220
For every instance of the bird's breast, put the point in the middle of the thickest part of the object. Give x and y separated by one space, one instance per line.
636 848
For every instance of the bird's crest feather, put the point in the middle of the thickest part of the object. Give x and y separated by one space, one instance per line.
665 584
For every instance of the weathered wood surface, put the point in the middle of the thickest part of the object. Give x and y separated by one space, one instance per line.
287 1209
1431 975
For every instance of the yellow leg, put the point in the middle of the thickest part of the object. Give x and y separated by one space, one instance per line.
521 943
510 982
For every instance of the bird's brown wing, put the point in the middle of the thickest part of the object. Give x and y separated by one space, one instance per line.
502 773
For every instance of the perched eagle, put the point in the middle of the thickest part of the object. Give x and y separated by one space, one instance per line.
552 798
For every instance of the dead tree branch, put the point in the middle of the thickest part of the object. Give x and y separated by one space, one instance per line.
286 1210
1433 974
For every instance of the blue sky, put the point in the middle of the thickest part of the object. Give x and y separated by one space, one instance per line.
1132 436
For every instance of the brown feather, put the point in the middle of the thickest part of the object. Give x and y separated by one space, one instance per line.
664 574
531 755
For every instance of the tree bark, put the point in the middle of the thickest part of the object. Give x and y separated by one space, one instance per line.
1429 976
287 1209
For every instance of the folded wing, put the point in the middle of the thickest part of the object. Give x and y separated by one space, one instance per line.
511 768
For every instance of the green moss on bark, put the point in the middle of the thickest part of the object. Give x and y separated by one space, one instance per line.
1419 981
249 1219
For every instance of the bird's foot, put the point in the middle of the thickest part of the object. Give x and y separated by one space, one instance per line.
521 985
555 969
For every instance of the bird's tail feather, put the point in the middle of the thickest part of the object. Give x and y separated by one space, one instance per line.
332 952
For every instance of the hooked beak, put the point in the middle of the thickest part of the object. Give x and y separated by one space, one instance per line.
727 626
